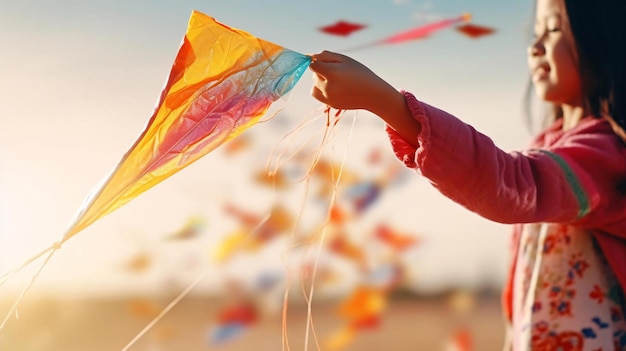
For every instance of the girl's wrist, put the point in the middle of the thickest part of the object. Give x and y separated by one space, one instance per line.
393 109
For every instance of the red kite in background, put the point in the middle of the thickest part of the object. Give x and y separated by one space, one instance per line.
473 31
342 28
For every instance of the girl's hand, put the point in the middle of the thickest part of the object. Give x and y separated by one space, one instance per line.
343 83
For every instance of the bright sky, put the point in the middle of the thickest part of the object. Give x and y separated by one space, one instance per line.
80 79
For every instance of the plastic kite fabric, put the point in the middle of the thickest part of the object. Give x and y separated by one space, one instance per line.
222 81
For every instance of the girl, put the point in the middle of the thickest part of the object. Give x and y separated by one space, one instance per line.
565 195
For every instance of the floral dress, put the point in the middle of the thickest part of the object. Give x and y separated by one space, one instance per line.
566 296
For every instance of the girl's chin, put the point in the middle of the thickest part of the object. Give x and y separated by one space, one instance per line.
544 94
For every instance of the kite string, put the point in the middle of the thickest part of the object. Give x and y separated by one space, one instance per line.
309 299
183 293
9 274
167 308
325 137
306 180
52 249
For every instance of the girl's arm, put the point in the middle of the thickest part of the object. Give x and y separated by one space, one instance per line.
573 180
573 176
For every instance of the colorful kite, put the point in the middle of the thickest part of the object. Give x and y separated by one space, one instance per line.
232 321
223 80
255 231
362 311
190 230
398 241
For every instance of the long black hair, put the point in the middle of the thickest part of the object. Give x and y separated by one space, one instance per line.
599 30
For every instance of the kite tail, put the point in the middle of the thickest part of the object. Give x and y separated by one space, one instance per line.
52 249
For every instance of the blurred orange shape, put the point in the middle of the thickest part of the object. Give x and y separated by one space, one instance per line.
340 245
364 303
330 172
190 230
323 273
230 245
398 241
375 156
237 144
367 322
341 339
246 218
139 263
276 179
461 340
280 219
143 308
473 31
337 215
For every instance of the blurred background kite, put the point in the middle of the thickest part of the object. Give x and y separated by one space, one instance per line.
344 28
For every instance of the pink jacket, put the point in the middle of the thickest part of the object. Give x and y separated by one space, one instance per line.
576 177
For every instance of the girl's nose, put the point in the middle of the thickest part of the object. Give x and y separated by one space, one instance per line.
536 48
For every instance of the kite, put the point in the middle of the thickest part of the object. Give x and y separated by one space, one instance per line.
276 180
362 311
223 80
138 263
232 321
237 145
190 230
460 340
363 195
426 30
342 28
474 31
396 240
256 230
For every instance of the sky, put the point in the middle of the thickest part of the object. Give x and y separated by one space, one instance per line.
80 80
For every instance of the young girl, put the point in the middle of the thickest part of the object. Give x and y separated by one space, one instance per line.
565 195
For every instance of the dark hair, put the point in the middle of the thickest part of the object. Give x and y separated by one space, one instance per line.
599 31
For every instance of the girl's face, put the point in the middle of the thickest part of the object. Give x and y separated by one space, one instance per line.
551 56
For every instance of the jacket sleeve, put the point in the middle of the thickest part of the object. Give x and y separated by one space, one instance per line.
566 182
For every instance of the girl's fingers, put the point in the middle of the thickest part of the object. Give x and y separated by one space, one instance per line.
321 67
327 56
318 94
325 62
